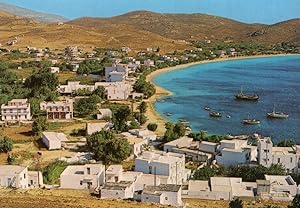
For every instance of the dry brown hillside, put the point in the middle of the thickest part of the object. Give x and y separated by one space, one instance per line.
139 30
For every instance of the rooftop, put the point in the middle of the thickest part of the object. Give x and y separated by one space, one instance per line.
181 142
55 136
161 157
197 185
114 169
122 185
95 169
280 180
158 190
131 138
11 169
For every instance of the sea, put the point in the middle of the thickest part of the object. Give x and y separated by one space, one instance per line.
275 79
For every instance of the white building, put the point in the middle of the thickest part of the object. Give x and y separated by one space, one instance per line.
162 194
144 133
89 176
13 176
137 144
279 188
235 152
116 73
220 188
54 70
116 90
169 164
74 86
58 110
189 148
53 140
287 156
92 128
120 190
16 110
149 63
104 113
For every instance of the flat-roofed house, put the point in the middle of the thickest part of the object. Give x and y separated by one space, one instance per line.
136 143
16 110
14 176
89 176
169 164
144 133
54 140
58 110
35 179
116 73
119 190
162 194
116 90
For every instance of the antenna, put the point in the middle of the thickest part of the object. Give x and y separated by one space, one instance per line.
155 176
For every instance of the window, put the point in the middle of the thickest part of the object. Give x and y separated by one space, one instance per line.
24 175
291 159
278 160
80 183
117 193
166 198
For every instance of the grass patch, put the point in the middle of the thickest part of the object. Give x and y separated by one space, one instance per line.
52 172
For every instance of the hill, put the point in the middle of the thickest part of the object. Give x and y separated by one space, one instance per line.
199 26
38 16
142 29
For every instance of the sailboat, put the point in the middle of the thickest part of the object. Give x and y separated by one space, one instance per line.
275 114
242 96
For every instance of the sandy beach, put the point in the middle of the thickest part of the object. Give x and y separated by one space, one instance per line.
153 115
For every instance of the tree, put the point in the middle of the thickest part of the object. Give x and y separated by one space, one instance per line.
90 66
100 92
236 203
39 125
120 117
152 126
107 148
180 129
286 143
6 145
143 107
295 202
43 84
142 86
134 125
204 173
87 106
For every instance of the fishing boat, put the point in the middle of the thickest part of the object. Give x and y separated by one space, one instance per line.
215 114
275 114
248 97
228 116
251 121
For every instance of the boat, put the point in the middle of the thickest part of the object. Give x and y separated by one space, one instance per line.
251 121
168 114
215 114
275 114
249 97
207 108
228 116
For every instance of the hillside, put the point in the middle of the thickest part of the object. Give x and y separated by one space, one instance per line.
139 30
38 16
198 26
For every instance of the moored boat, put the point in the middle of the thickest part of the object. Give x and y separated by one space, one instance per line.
249 97
207 108
275 114
215 114
251 121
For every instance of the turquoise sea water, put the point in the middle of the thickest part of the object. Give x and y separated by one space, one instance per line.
275 79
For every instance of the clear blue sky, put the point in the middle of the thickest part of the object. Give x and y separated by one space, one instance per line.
260 11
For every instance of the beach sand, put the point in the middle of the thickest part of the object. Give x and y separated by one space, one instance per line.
153 115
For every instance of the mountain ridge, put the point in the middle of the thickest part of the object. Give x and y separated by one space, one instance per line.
38 16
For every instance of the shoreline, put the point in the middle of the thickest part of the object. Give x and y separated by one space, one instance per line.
153 115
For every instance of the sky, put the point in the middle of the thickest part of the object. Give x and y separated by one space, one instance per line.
250 11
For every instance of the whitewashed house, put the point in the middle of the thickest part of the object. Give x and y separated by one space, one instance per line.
13 176
54 70
116 73
137 144
120 190
116 90
89 176
149 63
169 164
235 152
54 140
104 113
287 156
74 86
58 110
35 179
162 194
92 128
278 188
16 110
144 133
